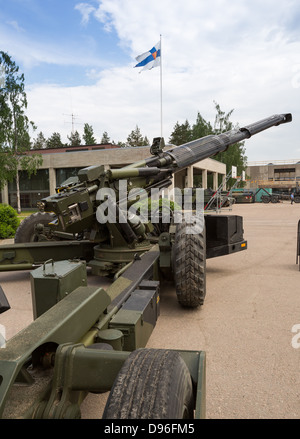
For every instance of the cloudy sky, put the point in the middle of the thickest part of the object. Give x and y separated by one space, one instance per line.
78 59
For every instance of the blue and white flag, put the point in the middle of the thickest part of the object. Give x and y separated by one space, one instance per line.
150 59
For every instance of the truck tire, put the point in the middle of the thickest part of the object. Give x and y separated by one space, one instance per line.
152 384
189 265
25 232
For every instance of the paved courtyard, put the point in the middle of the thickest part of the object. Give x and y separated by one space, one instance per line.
245 325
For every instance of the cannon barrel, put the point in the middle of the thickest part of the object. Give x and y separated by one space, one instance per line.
200 149
164 163
75 204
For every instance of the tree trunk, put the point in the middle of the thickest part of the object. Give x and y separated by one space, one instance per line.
18 193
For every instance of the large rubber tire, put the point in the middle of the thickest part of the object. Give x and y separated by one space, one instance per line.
152 384
189 265
25 232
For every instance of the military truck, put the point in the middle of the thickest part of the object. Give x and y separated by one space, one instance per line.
243 197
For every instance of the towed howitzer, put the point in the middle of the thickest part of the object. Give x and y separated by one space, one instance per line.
89 339
92 218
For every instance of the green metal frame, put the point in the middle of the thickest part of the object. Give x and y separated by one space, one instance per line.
43 369
27 256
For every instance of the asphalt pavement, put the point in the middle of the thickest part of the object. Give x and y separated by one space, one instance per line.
249 325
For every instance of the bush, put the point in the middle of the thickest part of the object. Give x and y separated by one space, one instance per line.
9 221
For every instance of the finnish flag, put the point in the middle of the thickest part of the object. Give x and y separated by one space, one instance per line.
150 59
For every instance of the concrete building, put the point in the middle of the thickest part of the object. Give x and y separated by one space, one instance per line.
62 163
280 176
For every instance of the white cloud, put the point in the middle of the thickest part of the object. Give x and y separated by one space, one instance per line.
15 25
113 104
33 52
243 55
86 10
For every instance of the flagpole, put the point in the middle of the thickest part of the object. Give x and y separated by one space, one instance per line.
161 116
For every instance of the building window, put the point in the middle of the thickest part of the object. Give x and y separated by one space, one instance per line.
32 189
284 174
64 173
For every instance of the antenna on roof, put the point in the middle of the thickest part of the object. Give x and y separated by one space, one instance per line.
73 118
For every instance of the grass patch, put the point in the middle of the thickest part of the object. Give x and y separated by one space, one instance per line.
25 214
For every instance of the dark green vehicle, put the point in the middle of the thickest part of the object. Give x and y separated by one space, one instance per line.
243 197
89 339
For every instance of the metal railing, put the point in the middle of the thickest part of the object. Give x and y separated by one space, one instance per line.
274 162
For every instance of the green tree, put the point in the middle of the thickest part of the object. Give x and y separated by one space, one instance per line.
74 138
235 154
40 142
182 133
121 144
105 138
222 122
14 126
54 141
135 138
201 128
88 135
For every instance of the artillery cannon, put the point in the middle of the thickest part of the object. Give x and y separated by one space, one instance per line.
94 222
94 219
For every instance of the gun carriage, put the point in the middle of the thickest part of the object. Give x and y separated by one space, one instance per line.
94 222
